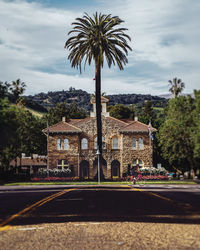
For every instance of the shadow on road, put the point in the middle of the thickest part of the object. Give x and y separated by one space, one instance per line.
110 205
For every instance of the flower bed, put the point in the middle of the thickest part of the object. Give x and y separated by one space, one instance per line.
141 177
54 179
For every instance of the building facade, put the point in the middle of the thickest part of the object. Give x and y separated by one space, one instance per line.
72 144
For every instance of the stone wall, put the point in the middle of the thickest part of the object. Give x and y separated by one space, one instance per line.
125 155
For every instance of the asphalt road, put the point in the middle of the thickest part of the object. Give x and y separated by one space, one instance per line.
141 217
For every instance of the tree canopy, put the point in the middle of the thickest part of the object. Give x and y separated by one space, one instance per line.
96 38
175 134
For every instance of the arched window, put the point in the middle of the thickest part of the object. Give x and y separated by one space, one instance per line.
84 143
59 147
134 145
115 143
103 143
138 162
140 142
66 144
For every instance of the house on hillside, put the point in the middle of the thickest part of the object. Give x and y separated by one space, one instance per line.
73 144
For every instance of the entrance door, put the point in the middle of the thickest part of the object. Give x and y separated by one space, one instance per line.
115 169
84 170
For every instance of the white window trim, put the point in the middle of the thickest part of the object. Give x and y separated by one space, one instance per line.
63 165
113 147
137 163
141 148
59 146
136 144
66 148
85 143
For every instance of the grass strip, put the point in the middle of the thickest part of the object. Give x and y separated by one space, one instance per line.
189 182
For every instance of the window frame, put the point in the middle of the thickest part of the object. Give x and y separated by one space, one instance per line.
64 144
115 143
63 164
59 144
103 143
138 162
134 148
140 145
84 141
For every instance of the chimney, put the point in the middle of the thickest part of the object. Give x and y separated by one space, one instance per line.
63 119
136 118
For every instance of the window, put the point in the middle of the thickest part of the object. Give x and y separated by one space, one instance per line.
103 143
115 143
59 144
140 143
84 143
66 144
134 146
63 164
138 162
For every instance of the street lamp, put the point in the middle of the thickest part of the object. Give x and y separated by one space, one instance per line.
98 165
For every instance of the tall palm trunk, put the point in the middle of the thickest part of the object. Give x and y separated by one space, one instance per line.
98 104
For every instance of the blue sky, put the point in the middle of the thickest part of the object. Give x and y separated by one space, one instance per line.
165 41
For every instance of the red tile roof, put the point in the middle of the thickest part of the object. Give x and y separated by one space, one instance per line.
72 125
127 120
63 127
77 122
120 123
136 126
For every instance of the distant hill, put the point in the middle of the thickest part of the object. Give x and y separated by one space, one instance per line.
169 96
82 98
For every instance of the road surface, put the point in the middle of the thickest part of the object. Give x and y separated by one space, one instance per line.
121 217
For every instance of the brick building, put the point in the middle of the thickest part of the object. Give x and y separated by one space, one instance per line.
73 144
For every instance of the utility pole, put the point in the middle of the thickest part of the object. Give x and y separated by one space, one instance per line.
47 149
98 164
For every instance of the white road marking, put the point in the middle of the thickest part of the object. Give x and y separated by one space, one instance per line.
29 228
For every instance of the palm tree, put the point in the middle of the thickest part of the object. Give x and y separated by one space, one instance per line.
95 38
17 88
176 86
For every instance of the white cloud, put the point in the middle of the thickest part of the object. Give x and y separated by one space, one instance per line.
165 41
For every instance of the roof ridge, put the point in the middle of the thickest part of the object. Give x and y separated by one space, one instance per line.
128 124
142 123
83 119
54 124
72 126
117 119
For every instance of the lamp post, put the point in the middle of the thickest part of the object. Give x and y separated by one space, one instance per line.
98 165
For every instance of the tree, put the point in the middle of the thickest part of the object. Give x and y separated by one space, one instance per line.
4 87
64 110
175 134
176 86
147 115
196 128
119 111
132 112
94 39
20 132
17 88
